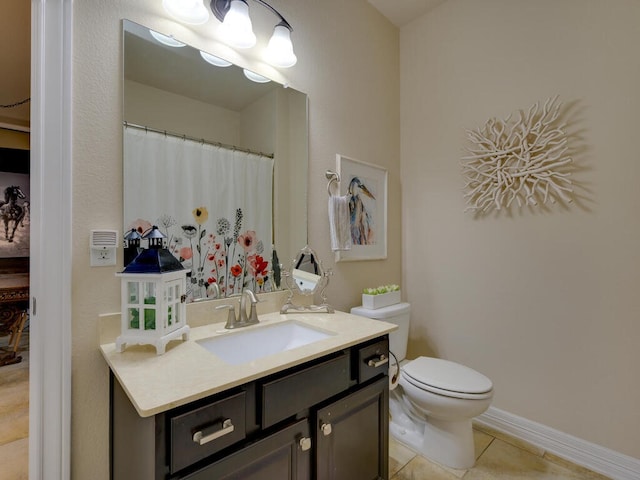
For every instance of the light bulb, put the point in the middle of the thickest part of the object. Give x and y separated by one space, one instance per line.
213 60
280 49
236 29
167 40
254 77
192 12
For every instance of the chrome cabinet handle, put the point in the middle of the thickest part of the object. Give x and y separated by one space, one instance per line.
326 429
305 444
377 363
203 436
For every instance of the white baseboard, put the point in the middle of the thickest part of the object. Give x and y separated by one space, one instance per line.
580 452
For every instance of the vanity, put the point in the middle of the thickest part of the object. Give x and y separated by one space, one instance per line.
317 411
237 403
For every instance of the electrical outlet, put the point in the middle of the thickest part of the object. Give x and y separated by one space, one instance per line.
103 257
102 246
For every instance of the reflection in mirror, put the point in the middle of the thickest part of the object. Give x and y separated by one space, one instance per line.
216 161
306 277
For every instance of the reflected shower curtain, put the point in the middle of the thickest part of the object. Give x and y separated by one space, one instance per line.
214 205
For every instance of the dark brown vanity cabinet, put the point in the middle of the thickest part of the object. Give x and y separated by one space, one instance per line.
352 435
323 420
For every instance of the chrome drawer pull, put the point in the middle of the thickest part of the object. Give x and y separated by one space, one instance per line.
376 363
200 437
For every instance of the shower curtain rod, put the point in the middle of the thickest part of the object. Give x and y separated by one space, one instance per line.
199 140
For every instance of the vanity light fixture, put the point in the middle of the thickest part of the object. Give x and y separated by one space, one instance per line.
237 30
280 49
192 12
213 60
167 40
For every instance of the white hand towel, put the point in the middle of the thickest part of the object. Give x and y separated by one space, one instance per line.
339 223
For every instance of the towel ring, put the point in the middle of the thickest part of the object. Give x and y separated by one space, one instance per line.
334 178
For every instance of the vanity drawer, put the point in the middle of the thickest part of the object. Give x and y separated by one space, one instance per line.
199 433
288 395
373 360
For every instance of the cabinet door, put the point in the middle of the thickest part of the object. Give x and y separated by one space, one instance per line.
353 435
284 455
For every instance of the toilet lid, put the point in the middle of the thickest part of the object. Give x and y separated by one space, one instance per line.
446 375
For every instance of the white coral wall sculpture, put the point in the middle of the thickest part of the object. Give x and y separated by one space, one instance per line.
523 160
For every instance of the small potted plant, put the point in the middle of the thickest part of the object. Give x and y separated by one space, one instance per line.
381 296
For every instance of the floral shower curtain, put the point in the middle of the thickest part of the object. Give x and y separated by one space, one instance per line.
214 205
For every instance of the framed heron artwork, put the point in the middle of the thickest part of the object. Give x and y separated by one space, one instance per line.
365 187
14 203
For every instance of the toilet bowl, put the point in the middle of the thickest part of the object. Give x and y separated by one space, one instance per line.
447 396
436 400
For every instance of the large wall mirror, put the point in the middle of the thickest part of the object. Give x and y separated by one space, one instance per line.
217 161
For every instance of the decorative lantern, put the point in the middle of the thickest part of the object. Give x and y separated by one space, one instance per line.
131 246
153 297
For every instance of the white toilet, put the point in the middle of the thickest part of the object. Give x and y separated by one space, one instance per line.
432 410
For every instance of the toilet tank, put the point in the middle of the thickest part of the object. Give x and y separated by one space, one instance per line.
397 314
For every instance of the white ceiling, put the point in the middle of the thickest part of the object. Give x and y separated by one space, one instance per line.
401 12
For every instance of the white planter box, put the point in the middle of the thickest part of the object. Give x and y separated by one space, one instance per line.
382 300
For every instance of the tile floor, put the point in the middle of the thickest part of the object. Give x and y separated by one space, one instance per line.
14 415
498 457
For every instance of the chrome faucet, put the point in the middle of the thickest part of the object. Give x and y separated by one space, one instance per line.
253 315
242 320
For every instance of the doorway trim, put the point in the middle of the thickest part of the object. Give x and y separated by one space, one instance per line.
51 247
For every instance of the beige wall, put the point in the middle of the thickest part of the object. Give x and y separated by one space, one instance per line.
544 301
348 65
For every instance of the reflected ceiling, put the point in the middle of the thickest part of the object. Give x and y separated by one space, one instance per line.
143 65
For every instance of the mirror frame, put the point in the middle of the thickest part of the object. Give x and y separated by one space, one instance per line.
322 282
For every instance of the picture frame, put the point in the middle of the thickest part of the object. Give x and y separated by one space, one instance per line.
366 185
14 203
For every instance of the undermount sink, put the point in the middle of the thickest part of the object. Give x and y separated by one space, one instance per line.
242 346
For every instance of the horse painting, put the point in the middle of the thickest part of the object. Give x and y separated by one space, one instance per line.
10 211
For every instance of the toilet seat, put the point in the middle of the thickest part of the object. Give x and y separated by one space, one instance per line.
447 378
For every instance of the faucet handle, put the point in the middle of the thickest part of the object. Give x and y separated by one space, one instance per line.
231 317
253 314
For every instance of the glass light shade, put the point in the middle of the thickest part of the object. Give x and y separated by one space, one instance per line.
192 12
166 39
213 60
254 77
280 49
236 29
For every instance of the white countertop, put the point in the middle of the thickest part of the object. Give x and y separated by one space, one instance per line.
188 372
